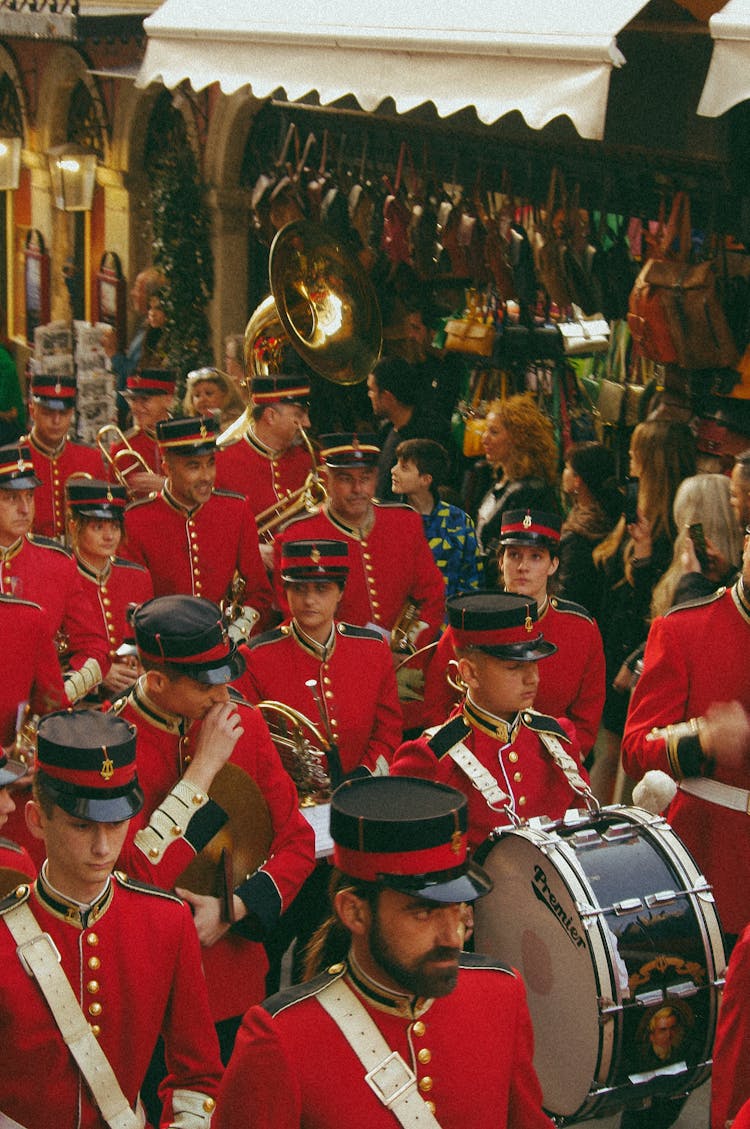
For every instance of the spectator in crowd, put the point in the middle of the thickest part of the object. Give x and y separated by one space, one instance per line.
12 410
421 469
589 483
153 354
520 448
632 559
701 499
396 396
146 284
209 392
739 494
234 358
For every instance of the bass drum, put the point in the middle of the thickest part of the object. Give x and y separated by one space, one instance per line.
615 933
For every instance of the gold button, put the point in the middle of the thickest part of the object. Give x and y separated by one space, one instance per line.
95 1008
522 800
96 1030
419 1028
329 693
176 831
94 963
424 1055
106 601
375 603
21 891
326 682
512 757
209 1105
430 1106
334 969
425 1084
527 718
518 777
197 572
92 987
198 798
92 939
367 556
153 853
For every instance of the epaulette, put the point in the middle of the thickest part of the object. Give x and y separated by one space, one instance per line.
129 883
9 845
393 505
297 517
15 898
489 963
142 501
132 432
298 992
569 607
541 723
49 543
448 735
5 599
699 602
123 562
271 636
236 697
228 494
355 632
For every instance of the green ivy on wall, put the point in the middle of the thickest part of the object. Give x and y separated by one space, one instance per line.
182 248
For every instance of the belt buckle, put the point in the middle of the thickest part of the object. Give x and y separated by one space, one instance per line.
35 941
390 1089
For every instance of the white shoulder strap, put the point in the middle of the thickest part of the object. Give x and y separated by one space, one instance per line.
480 777
386 1073
39 956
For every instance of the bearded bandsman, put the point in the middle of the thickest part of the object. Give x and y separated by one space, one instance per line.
55 457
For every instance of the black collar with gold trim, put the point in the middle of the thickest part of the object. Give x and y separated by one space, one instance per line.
320 651
381 997
98 576
486 722
48 452
11 551
357 532
172 502
741 598
142 704
72 912
260 447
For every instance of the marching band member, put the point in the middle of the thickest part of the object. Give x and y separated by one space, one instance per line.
30 676
187 729
15 861
121 965
35 568
571 682
379 1037
192 538
390 563
55 457
354 687
150 394
96 512
507 758
267 464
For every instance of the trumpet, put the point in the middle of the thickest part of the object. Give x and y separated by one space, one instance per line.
406 628
310 496
136 461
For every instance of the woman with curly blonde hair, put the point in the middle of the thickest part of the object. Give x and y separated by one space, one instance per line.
519 445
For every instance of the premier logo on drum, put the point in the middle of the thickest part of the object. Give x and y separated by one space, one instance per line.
545 895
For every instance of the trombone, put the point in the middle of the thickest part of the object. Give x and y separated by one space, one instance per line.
135 459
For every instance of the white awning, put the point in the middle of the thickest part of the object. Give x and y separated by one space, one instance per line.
728 78
544 58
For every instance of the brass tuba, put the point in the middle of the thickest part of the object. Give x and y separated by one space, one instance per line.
322 304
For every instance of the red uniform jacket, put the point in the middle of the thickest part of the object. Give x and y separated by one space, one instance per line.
133 962
235 967
355 681
196 553
42 571
512 751
16 865
695 655
390 565
292 1066
146 445
29 670
571 682
108 596
53 473
262 476
730 1077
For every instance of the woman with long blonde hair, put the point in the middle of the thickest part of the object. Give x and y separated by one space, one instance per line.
632 559
703 498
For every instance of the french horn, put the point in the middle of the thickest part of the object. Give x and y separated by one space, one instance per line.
322 304
291 732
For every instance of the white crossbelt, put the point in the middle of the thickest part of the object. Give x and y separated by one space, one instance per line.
40 958
386 1073
480 777
714 792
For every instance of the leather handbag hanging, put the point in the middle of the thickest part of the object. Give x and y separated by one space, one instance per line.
550 257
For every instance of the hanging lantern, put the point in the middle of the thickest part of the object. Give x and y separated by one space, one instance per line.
73 172
10 163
